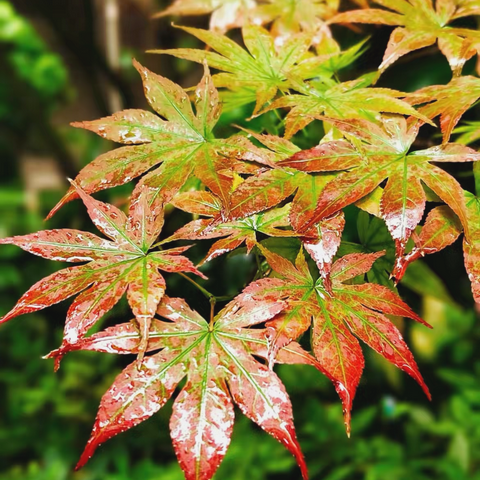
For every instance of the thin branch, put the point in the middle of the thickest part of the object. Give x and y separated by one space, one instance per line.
203 290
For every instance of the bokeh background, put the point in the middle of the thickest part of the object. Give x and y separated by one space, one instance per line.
63 61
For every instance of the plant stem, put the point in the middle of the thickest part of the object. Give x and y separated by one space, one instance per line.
211 298
203 290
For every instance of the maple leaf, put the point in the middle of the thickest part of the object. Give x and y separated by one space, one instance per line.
183 143
449 101
218 361
442 227
292 17
226 14
421 25
288 17
237 232
262 67
272 184
385 154
336 59
350 311
121 264
267 189
352 99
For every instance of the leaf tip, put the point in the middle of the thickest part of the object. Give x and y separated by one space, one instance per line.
87 453
140 356
138 66
347 420
70 195
11 314
57 356
81 463
201 275
426 390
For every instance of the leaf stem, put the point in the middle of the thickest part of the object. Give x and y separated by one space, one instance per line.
203 290
225 298
218 298
213 299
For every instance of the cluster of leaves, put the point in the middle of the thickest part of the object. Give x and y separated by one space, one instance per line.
250 186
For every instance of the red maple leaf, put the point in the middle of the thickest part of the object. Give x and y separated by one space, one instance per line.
121 264
218 360
350 311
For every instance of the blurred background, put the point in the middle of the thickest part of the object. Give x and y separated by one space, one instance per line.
63 61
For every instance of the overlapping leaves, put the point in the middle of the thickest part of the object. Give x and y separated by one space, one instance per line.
287 17
337 317
278 182
383 152
236 232
352 99
183 143
262 68
449 102
121 264
218 360
262 185
421 24
442 227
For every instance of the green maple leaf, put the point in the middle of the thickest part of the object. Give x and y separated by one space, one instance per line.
353 99
182 142
263 67
420 25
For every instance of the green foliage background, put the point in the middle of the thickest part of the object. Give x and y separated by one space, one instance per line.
45 419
